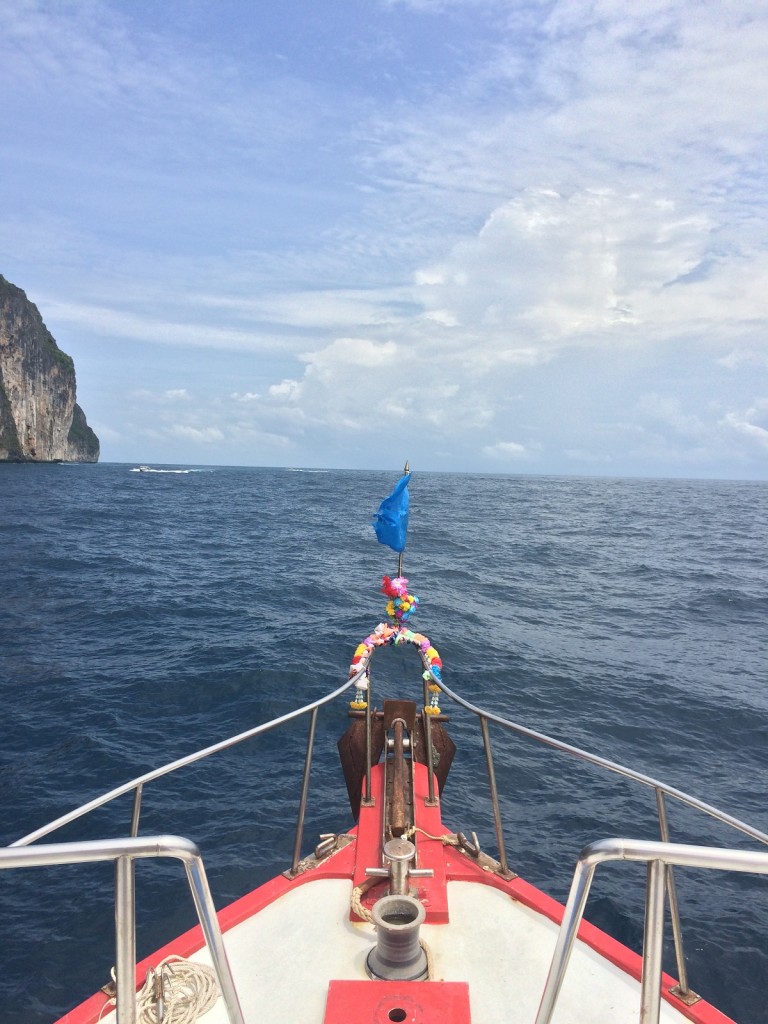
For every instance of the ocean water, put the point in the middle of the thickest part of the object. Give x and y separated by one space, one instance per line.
146 615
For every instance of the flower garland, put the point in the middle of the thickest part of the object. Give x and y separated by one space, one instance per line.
401 606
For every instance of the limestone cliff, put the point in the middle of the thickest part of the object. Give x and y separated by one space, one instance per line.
40 420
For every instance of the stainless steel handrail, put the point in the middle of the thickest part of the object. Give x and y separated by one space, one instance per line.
137 784
659 857
611 766
124 852
21 853
661 789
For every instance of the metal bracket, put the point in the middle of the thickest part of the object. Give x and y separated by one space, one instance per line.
329 843
689 997
473 847
110 989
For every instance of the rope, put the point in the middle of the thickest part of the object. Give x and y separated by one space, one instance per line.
356 899
446 840
430 960
187 990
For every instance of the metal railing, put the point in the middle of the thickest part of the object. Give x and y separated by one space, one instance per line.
124 852
21 854
661 790
136 786
659 858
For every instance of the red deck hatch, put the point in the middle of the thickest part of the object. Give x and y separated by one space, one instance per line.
396 1002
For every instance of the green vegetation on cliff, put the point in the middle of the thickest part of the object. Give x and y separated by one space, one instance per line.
81 438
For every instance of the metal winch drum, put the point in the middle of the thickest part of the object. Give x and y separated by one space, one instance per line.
397 955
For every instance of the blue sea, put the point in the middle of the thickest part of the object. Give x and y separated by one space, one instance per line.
146 615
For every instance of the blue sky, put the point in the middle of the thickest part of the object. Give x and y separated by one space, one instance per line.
482 235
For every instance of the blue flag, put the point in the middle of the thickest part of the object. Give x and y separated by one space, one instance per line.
391 521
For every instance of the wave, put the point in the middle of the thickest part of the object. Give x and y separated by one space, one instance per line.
147 469
626 617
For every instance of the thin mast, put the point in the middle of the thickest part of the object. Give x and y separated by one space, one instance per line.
406 470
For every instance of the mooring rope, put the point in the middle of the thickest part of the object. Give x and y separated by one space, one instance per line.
446 840
186 991
356 899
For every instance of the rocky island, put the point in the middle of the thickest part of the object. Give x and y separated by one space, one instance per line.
40 421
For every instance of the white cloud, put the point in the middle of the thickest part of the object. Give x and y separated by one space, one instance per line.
205 435
744 357
443 317
99 59
288 389
160 398
563 212
248 434
668 411
352 354
554 269
581 455
118 323
504 450
743 423
320 309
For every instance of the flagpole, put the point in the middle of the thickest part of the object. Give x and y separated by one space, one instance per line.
406 469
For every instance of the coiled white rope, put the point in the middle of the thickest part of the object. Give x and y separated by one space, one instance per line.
187 989
176 991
